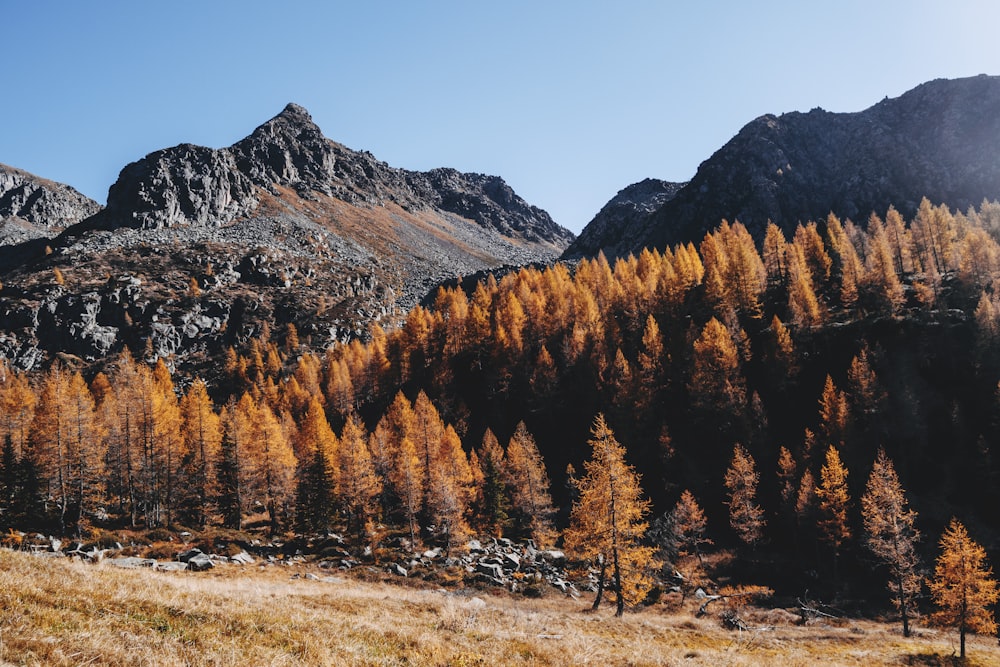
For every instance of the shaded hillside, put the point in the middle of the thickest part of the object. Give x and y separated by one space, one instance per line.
939 140
623 217
202 248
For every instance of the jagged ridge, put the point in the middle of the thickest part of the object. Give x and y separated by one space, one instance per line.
939 140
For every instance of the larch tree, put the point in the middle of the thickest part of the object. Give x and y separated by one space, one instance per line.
716 382
833 414
529 487
201 433
746 517
963 586
450 488
891 535
359 484
607 522
408 483
17 407
270 460
681 531
85 447
316 448
833 503
50 433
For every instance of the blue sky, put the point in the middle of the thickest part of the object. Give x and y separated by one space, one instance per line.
568 101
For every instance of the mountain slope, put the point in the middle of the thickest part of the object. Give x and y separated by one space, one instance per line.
33 207
622 216
939 140
201 248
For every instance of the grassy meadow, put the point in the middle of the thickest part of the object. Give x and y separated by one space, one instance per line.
65 612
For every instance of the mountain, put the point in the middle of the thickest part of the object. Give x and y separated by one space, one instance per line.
939 140
620 218
33 207
201 248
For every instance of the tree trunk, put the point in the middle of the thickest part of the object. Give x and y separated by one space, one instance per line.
600 582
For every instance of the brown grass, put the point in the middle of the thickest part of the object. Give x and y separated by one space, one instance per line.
62 612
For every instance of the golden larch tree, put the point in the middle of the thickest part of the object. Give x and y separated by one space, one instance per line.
607 522
833 503
450 489
746 517
201 434
529 487
359 484
891 535
963 586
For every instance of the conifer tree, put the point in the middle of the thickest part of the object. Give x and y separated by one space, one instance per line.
493 506
406 479
529 487
834 501
201 433
745 516
359 484
891 535
315 448
450 488
681 531
607 522
963 586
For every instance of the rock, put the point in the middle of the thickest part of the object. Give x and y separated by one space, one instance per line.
170 566
131 562
311 577
511 561
553 556
200 563
490 569
242 558
474 546
199 247
398 569
186 556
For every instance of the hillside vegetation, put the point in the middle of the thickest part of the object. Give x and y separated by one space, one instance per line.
753 388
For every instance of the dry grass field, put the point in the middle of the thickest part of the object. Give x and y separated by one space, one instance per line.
64 612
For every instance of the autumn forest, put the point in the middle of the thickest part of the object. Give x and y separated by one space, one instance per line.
810 413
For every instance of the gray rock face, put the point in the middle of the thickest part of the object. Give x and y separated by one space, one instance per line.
32 207
192 185
939 140
615 225
200 249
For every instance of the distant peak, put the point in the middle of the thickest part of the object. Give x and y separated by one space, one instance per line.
294 111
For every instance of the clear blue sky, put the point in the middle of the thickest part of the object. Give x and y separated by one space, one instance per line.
568 101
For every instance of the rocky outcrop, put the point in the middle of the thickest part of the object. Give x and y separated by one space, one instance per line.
939 140
615 225
193 185
200 249
33 207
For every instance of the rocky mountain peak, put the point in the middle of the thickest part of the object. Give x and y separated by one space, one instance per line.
289 149
938 140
